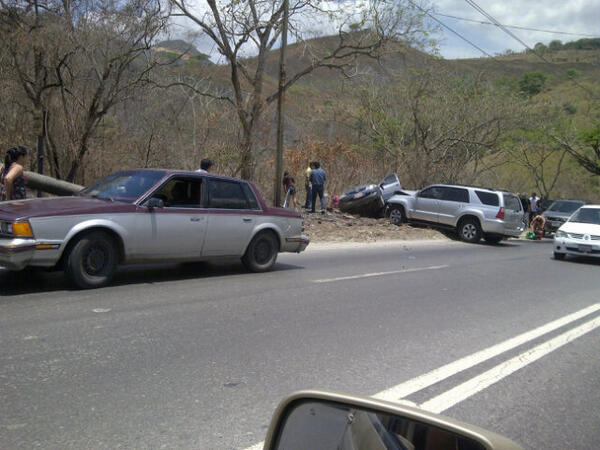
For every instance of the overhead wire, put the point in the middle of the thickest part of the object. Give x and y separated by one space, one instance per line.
511 34
428 14
483 22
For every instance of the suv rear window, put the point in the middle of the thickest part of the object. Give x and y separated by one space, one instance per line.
512 202
488 198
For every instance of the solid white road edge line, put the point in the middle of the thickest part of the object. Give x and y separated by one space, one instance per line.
379 274
396 393
451 369
471 387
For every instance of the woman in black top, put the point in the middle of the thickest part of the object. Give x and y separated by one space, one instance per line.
12 181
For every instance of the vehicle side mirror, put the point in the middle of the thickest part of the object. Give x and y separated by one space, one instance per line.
382 185
154 202
323 420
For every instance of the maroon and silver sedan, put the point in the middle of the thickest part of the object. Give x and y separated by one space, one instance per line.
142 216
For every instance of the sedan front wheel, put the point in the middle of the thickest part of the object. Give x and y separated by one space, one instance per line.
92 260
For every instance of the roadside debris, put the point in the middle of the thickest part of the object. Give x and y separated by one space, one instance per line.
336 226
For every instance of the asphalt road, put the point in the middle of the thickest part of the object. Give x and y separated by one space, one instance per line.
199 356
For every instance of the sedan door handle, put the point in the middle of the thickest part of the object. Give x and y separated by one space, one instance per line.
247 220
196 219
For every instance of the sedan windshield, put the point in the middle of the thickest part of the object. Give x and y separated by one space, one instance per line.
565 206
124 186
586 215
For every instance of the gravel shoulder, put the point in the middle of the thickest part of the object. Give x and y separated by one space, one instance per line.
334 226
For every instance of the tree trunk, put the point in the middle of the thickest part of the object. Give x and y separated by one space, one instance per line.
247 160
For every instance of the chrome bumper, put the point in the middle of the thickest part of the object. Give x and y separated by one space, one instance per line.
15 254
296 244
577 247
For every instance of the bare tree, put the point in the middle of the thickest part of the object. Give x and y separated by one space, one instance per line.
78 60
434 125
584 147
542 158
252 27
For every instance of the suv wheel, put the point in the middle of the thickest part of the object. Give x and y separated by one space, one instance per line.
469 230
397 215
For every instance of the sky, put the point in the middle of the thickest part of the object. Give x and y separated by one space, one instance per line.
579 17
567 16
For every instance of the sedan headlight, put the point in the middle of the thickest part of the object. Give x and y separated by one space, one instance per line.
359 195
16 229
561 234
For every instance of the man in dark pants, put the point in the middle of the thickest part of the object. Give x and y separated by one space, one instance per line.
317 180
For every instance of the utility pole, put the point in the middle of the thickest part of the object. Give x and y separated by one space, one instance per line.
280 100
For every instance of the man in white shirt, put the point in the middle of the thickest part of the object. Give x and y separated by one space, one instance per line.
205 165
533 206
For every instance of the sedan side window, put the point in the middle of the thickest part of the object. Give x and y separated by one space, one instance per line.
226 194
180 193
252 201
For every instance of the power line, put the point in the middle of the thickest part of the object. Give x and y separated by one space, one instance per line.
482 22
451 30
511 34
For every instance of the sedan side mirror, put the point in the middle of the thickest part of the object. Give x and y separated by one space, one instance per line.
323 420
154 202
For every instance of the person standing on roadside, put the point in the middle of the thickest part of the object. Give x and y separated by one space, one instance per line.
205 165
12 180
289 184
533 206
307 186
317 181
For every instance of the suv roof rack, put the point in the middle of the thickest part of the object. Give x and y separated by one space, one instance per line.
479 187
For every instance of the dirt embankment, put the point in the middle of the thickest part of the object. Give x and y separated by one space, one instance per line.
334 226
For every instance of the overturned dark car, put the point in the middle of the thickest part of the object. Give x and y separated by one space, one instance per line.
369 199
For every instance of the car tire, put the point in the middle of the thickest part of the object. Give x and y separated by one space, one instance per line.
397 215
92 260
493 238
469 230
559 256
261 253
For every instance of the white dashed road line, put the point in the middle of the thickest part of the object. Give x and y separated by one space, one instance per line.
379 274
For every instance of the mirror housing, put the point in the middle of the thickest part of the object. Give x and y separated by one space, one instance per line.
154 202
324 420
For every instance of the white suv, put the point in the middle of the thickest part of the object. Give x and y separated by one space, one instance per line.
473 212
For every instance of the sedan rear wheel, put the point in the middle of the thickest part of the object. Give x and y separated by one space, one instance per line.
92 260
261 253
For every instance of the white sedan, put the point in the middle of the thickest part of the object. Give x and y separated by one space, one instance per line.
580 235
